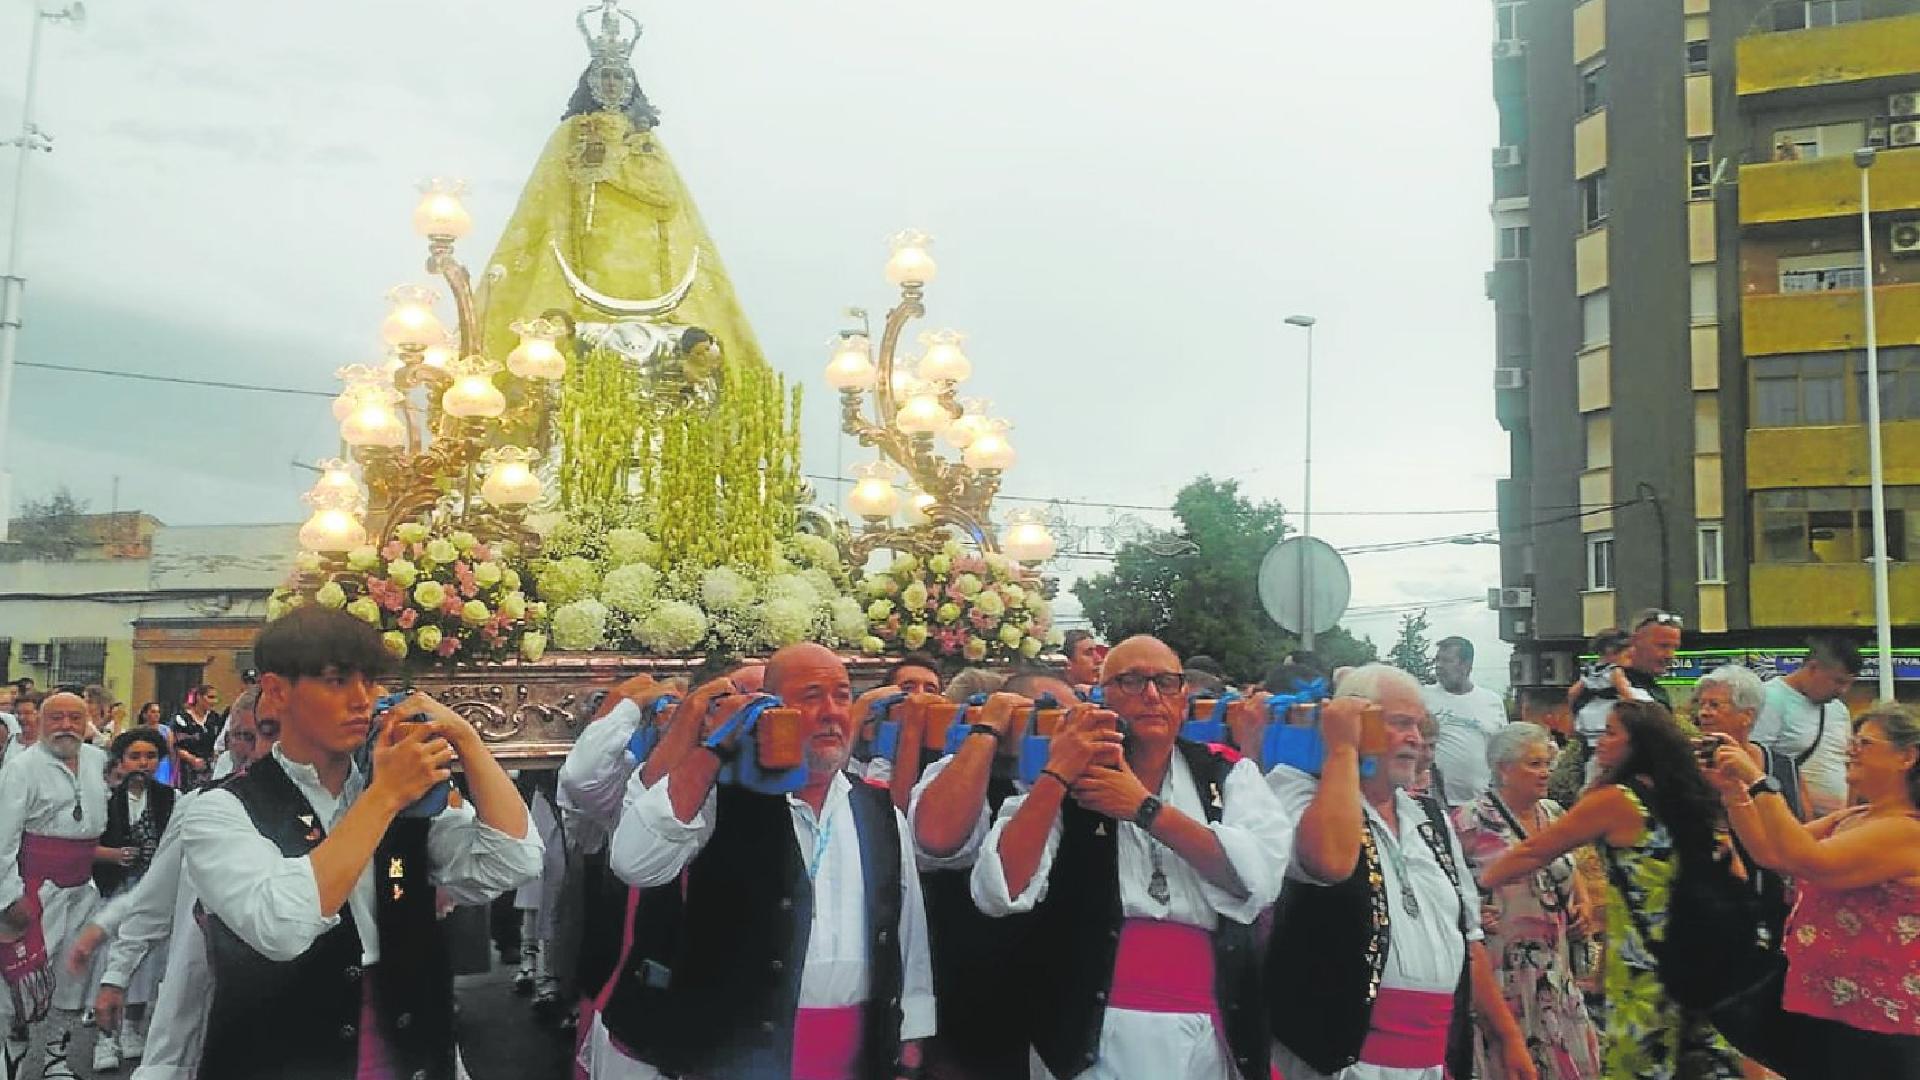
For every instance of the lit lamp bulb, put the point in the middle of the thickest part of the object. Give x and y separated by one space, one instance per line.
331 528
919 503
851 368
411 324
441 215
922 414
968 425
910 263
1027 539
945 361
336 484
990 450
511 480
537 357
873 496
373 421
473 392
441 353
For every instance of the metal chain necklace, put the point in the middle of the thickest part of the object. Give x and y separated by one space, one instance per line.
1408 899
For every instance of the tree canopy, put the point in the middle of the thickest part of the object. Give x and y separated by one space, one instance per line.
1412 652
1196 589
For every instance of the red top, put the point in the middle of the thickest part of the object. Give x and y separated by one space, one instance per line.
1853 956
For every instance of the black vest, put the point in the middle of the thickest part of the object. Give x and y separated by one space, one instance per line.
712 983
976 958
1076 939
110 877
299 1019
1327 955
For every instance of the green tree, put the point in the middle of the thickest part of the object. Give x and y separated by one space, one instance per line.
1412 652
52 529
1196 588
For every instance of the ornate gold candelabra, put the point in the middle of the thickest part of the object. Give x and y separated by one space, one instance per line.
426 421
916 402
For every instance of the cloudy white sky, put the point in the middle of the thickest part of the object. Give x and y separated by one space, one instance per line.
1128 199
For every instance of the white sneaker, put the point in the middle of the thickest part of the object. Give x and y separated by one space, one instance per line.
133 1042
106 1053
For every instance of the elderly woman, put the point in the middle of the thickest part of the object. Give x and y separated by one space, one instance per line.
1534 924
1852 996
1726 702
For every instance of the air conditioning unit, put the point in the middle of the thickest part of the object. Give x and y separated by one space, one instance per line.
1509 49
1506 157
37 654
1904 105
1512 599
1904 133
1509 378
1904 238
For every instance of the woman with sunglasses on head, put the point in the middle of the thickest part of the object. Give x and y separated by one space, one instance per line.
1652 814
1852 995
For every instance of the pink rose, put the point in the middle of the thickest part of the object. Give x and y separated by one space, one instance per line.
468 589
448 646
482 553
408 619
453 604
392 551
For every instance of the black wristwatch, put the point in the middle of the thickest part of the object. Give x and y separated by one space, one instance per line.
1766 785
984 729
1149 809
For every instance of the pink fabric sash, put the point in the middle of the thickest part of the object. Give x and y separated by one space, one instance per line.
826 1042
1409 1030
66 863
376 1059
1163 967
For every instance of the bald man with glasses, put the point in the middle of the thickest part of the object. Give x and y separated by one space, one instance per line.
1145 860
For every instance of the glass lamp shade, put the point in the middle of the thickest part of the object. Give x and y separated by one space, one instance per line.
336 486
411 324
990 449
510 483
374 422
922 414
440 214
917 507
1027 540
439 354
873 496
945 361
910 263
967 426
537 357
331 529
851 367
473 393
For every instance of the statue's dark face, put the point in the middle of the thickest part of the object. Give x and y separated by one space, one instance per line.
611 83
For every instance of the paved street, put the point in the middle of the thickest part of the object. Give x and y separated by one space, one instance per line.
498 1037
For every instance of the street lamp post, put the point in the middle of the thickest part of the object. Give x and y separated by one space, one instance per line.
1882 609
13 285
1307 322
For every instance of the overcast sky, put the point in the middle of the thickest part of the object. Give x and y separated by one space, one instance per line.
1128 198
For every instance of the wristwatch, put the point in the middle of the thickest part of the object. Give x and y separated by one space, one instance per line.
1766 785
1149 809
984 729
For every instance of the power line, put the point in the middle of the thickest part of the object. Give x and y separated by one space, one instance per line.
1094 504
177 380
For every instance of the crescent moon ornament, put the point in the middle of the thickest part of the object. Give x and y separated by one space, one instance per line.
628 309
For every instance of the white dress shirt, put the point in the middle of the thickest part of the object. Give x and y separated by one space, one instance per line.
38 794
593 778
969 851
651 847
272 902
1423 954
1257 837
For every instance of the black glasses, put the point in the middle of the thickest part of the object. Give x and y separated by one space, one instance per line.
1167 682
1662 618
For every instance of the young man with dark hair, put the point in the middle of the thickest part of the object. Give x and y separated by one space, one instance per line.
1084 653
915 673
1466 716
318 880
24 731
137 815
1805 716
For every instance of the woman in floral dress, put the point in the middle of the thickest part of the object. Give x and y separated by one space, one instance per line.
1650 809
1531 924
